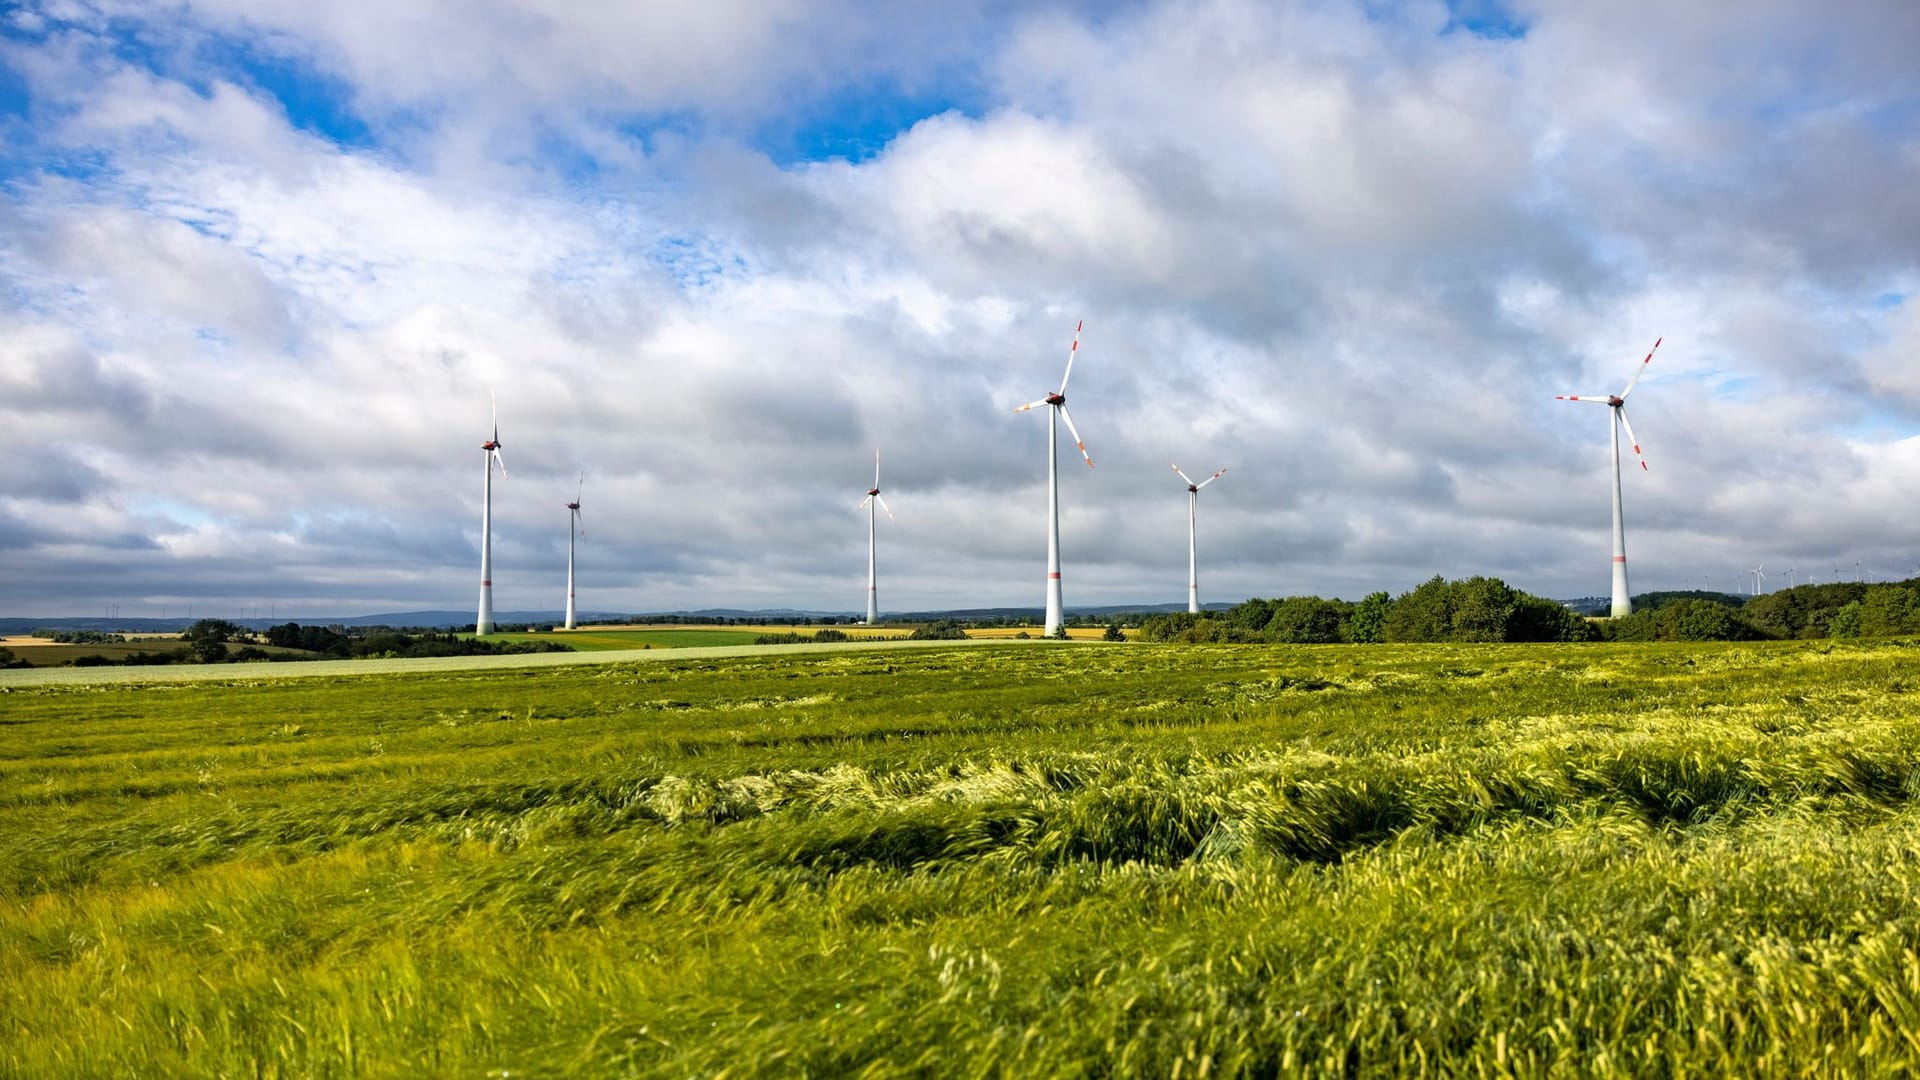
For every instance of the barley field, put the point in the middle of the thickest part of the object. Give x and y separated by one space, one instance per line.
1020 859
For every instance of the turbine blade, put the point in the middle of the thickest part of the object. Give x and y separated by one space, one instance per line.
580 486
1071 353
864 502
1642 370
876 466
1183 476
1636 442
581 521
884 506
495 403
1028 405
1077 440
1592 399
502 462
1212 478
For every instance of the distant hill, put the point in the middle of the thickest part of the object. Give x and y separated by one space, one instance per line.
1650 601
448 619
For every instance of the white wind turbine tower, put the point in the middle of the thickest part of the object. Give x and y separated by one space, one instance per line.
483 624
1058 401
573 521
871 504
1193 507
1622 603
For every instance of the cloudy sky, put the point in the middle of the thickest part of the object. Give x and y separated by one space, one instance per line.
262 260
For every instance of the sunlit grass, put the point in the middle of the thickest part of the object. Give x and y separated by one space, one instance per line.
1612 860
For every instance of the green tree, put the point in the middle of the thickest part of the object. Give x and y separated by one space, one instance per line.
1845 623
213 630
1113 633
209 650
1481 607
1251 615
1890 609
1537 619
1697 620
1368 624
1423 614
1306 620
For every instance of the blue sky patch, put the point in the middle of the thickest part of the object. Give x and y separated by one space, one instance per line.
1486 18
857 125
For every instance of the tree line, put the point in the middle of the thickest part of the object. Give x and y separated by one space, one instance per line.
1484 609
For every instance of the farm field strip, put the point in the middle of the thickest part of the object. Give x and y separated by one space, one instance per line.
253 672
1499 860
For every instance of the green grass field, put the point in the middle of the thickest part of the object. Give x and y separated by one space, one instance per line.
598 640
1128 859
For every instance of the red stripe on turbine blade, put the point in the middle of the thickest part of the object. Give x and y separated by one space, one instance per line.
1078 325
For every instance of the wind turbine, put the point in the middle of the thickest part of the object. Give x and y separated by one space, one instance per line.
573 520
1759 575
1622 604
1058 400
1789 577
1193 505
869 504
484 623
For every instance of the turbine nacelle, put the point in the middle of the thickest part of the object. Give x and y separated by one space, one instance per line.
1055 400
1193 487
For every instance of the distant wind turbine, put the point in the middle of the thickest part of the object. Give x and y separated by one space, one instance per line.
869 504
573 522
484 623
1622 603
1193 505
1759 575
1058 401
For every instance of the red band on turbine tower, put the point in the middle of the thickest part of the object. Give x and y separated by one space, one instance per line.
1619 558
1053 575
488 582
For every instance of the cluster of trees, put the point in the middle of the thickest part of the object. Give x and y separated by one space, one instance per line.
387 643
1476 609
1487 609
1845 609
80 637
216 641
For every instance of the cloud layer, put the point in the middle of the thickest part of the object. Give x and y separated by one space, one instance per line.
263 261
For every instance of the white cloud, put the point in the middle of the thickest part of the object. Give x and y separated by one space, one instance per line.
1349 255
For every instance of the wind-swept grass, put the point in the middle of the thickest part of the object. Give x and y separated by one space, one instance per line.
1136 859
